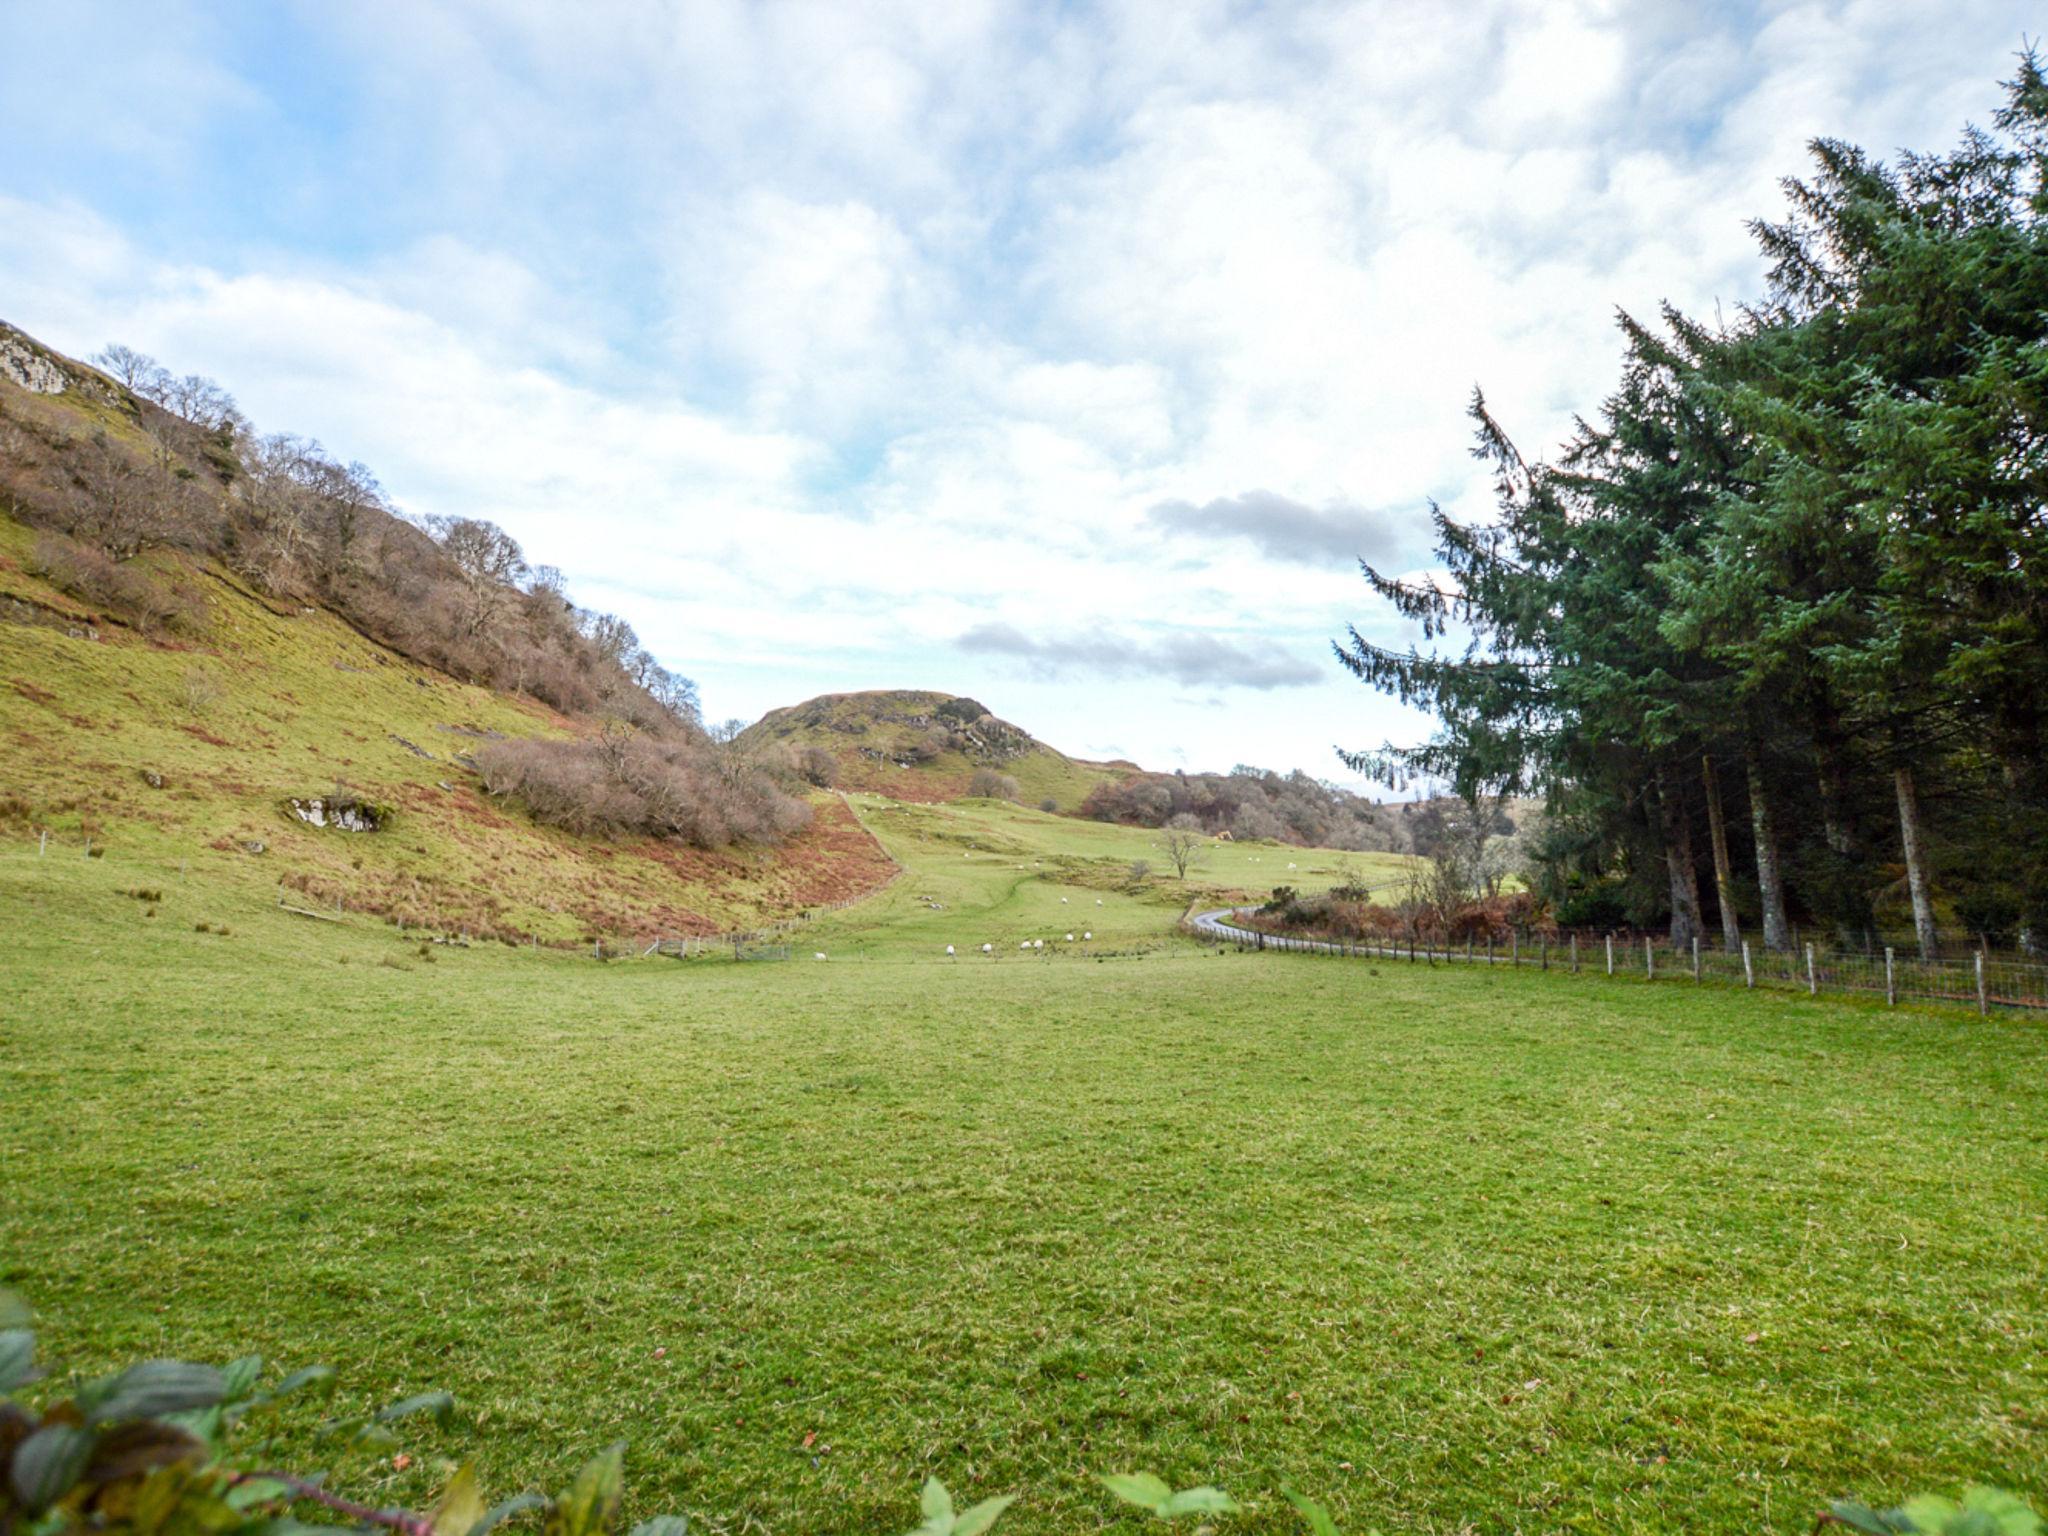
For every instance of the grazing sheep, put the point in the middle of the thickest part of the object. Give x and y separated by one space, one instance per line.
818 954
1025 945
988 949
949 951
1038 943
1088 935
1070 938
1063 901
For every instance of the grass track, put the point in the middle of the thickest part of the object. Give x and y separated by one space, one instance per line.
1452 1249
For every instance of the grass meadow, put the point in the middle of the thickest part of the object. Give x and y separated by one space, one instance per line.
1450 1249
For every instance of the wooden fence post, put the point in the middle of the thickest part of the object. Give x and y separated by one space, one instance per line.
1891 989
1695 957
1748 971
1515 947
1812 981
1489 948
1610 954
1649 960
1575 954
43 843
1983 997
1543 943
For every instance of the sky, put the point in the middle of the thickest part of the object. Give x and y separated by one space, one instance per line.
1066 356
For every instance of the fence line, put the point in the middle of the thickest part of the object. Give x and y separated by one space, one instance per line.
1982 981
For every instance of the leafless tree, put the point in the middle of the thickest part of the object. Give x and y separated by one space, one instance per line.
138 371
488 563
1184 845
117 504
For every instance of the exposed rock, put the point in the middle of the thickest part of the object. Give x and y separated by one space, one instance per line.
343 812
152 778
413 747
26 364
253 845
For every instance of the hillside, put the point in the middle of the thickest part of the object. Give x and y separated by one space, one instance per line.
170 695
915 745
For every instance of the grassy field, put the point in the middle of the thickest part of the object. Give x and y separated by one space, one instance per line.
1454 1250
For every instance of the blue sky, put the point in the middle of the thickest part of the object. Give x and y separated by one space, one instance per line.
1062 355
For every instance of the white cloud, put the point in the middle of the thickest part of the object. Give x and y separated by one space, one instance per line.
813 338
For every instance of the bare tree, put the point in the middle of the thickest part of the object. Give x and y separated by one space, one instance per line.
138 371
1184 845
488 562
117 504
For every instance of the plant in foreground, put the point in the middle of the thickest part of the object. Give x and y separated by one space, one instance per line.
147 1452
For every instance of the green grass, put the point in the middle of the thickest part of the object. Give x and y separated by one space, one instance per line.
1451 1249
986 872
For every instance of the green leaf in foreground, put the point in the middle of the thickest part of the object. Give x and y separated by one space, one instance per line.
592 1502
48 1462
461 1508
17 1358
1139 1488
1149 1492
1318 1518
151 1390
439 1404
936 1504
518 1504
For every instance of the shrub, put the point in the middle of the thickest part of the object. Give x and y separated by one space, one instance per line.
816 765
989 784
136 596
682 789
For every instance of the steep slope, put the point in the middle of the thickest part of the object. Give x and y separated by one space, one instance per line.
917 745
161 703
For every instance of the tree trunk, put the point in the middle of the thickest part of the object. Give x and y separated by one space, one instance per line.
1915 840
1724 872
1769 876
1685 879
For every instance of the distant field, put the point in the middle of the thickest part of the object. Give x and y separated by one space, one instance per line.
1452 1249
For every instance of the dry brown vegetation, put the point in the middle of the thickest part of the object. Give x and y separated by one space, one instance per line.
679 787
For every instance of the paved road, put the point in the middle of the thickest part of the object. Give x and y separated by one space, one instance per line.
1217 925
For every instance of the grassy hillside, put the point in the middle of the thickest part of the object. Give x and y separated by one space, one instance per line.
1451 1248
185 749
921 746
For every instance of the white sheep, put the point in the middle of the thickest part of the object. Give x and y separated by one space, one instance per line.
949 951
988 949
1088 935
1038 943
1070 938
1063 901
1025 945
818 954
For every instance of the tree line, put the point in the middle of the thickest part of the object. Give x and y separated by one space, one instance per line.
1770 634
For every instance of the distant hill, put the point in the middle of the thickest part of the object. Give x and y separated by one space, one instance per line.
203 632
917 745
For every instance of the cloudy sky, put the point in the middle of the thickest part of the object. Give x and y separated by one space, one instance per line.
1063 355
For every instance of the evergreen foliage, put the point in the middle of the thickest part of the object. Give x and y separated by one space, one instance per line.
1791 567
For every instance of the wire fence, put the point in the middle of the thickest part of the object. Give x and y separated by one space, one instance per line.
1977 978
